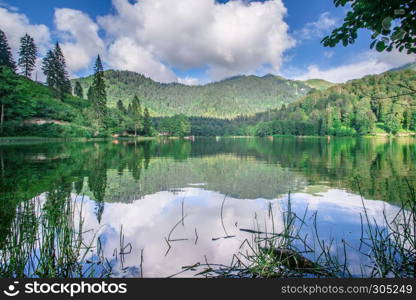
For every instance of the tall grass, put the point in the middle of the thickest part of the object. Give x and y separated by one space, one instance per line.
47 240
387 249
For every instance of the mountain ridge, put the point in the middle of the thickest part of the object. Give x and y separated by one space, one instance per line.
226 99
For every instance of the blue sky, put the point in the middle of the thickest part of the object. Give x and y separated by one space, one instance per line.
197 41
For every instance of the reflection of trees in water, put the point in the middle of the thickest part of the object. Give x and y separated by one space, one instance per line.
128 170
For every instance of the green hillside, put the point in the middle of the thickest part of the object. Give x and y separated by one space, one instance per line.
319 84
380 104
241 95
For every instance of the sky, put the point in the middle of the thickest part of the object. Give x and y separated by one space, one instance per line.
196 41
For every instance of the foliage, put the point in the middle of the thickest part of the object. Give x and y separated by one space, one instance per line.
6 57
98 94
349 109
242 95
27 55
178 125
78 91
54 68
378 16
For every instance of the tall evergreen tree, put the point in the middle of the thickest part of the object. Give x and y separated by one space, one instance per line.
49 70
78 91
8 93
147 123
6 57
99 94
63 83
120 107
54 68
27 55
137 114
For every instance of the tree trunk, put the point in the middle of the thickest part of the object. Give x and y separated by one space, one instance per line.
2 118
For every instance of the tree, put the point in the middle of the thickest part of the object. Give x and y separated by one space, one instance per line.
63 83
98 92
48 69
27 55
147 123
378 16
78 91
8 93
6 57
136 114
177 125
120 107
54 68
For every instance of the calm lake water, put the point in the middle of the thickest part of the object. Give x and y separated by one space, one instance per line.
178 202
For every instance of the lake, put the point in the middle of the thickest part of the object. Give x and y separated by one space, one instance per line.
153 207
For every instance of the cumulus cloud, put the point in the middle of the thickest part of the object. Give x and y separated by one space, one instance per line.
229 39
16 25
370 62
79 35
126 54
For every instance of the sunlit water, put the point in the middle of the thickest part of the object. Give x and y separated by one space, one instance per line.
178 203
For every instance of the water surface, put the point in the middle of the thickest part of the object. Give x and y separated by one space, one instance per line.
180 202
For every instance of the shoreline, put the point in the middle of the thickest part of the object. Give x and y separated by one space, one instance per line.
36 139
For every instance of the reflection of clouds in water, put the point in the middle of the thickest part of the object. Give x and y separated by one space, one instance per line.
147 222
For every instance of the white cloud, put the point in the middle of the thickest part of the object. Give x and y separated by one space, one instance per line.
370 62
126 54
229 39
318 28
189 81
79 35
16 25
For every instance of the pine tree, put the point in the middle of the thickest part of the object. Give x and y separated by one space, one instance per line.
63 83
49 70
78 91
27 55
6 57
99 95
147 123
120 107
90 94
8 93
54 68
136 114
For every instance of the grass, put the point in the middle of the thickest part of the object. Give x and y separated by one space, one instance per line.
389 249
47 240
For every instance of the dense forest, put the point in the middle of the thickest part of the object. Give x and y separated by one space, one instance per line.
56 108
121 103
240 95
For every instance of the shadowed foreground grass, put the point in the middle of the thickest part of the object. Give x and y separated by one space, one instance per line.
388 249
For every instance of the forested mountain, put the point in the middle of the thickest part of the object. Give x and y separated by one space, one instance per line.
384 103
241 95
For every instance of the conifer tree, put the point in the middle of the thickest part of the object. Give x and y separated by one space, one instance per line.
54 68
63 83
137 114
120 107
147 123
48 69
6 57
27 55
78 91
98 92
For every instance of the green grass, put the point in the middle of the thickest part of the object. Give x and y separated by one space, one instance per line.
288 254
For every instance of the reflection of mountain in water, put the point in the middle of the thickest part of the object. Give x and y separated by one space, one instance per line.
243 168
239 178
